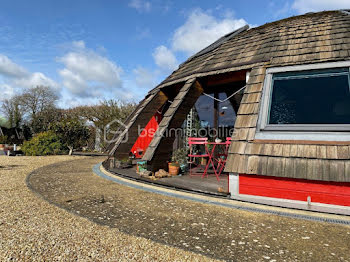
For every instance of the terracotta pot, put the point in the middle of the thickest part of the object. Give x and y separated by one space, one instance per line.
173 170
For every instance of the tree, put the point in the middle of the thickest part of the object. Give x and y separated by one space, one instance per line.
72 133
35 106
3 122
105 112
43 119
37 99
13 112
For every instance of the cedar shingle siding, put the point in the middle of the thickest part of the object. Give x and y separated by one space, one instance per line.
307 39
310 160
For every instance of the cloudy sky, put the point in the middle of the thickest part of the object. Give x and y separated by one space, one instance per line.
89 50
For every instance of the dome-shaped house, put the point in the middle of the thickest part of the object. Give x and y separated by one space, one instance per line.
288 83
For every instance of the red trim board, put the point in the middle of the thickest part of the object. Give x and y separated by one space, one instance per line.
335 193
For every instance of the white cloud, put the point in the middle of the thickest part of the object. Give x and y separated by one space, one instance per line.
7 91
201 29
16 77
164 58
35 79
87 73
303 6
11 69
198 31
92 67
140 5
144 78
74 82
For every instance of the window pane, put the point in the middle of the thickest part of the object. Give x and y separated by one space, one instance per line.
205 109
312 98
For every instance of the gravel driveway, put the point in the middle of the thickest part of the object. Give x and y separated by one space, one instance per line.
31 229
122 213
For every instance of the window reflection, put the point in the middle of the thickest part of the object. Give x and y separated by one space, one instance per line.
314 97
205 110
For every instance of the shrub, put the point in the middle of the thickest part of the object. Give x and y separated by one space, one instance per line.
3 139
42 144
71 132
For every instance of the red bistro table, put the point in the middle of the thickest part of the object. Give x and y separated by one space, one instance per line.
218 160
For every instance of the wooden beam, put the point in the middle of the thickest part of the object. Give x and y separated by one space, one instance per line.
222 79
140 118
160 148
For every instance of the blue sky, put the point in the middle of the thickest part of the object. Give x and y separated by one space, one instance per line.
102 49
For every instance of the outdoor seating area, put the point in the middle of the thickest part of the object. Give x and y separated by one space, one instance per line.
202 172
214 155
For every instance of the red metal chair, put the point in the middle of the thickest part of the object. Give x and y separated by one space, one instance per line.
198 141
222 157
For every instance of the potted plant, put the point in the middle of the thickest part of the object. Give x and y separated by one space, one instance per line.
180 156
174 168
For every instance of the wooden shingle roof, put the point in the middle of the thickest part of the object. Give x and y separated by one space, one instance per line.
313 37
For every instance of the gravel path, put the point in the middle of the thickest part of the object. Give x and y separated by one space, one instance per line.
31 229
215 232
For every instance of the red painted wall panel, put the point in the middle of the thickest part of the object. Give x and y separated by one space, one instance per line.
335 193
146 136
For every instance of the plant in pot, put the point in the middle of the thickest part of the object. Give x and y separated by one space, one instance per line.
174 168
179 158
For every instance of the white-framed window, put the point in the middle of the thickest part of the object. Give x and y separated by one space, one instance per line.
307 102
